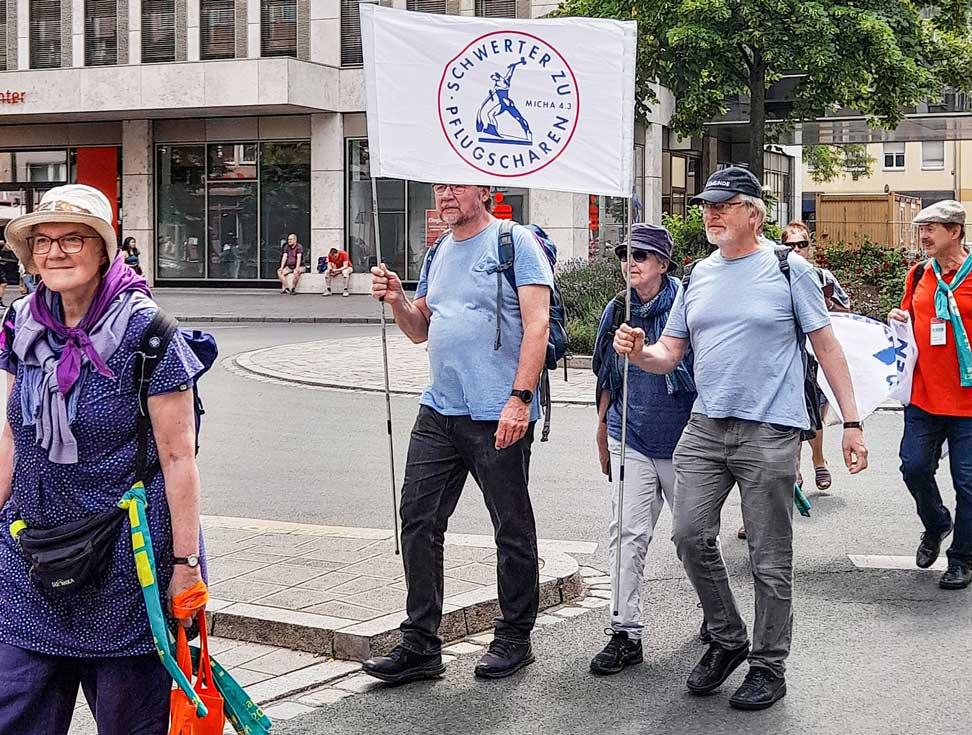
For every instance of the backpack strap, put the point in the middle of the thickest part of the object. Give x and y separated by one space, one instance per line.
620 304
507 256
783 260
155 342
911 282
687 274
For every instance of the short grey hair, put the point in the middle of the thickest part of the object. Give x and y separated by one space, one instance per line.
757 204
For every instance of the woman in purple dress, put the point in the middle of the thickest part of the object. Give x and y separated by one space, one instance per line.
67 453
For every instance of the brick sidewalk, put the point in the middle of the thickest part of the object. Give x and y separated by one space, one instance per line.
264 305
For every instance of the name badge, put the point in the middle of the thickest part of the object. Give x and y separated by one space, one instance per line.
937 332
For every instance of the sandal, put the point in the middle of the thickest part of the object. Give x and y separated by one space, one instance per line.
822 477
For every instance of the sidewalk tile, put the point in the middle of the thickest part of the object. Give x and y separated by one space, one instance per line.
284 574
244 590
243 653
483 639
475 572
337 608
296 598
386 566
247 678
384 599
547 619
299 680
281 661
461 648
328 581
571 612
358 684
224 568
287 711
323 697
358 585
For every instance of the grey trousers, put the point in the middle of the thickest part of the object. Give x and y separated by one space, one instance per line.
648 484
712 455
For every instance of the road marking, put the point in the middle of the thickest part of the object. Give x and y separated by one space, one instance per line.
899 563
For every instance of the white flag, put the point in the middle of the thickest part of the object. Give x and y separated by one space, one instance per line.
907 352
545 104
873 353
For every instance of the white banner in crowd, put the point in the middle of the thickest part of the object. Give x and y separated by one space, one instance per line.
880 358
547 104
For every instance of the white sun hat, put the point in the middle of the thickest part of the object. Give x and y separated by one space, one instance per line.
76 203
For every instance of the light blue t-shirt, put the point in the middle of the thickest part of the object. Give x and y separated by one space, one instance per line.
469 377
739 316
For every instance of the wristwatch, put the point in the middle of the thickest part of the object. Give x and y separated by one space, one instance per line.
191 561
854 425
524 395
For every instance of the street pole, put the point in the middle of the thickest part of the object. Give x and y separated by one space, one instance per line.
384 362
624 419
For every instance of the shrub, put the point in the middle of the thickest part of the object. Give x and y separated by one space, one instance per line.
587 287
873 275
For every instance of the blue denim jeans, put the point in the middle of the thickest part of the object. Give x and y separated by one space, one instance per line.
921 451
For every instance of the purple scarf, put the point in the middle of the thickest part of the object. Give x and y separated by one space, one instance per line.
77 342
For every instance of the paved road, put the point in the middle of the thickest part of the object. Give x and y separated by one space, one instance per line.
875 651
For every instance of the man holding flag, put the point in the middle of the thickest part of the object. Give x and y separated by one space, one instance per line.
938 302
745 426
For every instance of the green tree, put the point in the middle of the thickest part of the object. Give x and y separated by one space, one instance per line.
875 56
827 162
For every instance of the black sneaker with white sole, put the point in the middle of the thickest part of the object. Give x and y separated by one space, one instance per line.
620 652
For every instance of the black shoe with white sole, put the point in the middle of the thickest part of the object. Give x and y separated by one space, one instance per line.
401 666
620 652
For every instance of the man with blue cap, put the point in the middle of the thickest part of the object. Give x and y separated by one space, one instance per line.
658 409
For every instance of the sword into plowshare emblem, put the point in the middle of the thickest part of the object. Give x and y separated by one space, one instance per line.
498 103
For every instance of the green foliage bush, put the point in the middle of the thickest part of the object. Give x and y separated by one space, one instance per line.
873 275
587 287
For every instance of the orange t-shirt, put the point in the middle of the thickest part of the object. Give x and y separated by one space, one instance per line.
339 259
936 387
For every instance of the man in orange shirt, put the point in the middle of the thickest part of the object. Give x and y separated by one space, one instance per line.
338 265
938 301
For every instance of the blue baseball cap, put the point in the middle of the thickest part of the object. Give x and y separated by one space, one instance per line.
729 182
652 238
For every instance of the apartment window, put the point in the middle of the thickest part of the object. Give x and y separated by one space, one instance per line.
3 46
351 53
427 6
100 33
894 156
217 29
279 27
496 8
45 34
158 31
933 155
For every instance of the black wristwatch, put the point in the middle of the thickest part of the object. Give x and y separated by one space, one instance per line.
854 425
191 561
524 395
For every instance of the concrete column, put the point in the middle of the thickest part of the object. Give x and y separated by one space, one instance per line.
180 30
653 173
137 190
564 217
240 30
253 29
77 30
23 34
192 29
10 34
327 198
134 31
325 32
67 32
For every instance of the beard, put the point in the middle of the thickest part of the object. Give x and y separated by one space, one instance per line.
718 237
454 217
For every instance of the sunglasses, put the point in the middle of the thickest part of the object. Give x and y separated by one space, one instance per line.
797 244
638 256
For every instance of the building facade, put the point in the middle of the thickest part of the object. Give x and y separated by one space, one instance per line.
220 126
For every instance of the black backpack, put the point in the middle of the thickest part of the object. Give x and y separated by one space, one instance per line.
811 392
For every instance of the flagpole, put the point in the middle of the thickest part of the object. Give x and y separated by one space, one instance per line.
624 418
384 362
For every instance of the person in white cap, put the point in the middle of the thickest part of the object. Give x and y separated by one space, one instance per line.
938 302
67 454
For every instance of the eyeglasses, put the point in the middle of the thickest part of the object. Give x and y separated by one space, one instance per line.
638 256
797 244
456 188
719 207
69 244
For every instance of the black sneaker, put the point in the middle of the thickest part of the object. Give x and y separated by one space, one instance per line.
504 658
928 549
958 576
402 665
620 652
760 689
714 668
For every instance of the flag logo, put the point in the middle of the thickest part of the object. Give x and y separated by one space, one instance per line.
508 103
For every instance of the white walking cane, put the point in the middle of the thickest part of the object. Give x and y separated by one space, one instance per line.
384 361
624 420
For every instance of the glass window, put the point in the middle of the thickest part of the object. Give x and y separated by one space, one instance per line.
100 33
217 29
158 31
232 229
3 46
427 6
933 155
284 202
360 222
279 27
36 166
894 156
232 161
351 52
45 34
181 206
496 8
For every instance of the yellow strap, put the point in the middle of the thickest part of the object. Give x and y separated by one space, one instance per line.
17 528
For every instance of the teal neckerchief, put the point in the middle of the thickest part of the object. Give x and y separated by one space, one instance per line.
946 308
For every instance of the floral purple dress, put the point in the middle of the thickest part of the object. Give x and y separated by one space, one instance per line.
108 619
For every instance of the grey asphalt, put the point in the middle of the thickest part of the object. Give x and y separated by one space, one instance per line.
874 651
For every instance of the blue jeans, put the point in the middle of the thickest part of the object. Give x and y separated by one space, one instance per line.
921 451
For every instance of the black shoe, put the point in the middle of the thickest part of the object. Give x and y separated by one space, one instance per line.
504 658
929 547
714 668
704 635
402 665
759 690
741 533
958 576
619 653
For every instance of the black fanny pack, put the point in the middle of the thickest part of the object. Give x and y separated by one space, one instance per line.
65 559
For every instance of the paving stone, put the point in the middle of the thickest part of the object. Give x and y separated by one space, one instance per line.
336 555
462 647
243 653
358 585
281 661
384 599
598 580
387 566
599 592
547 619
246 678
296 598
278 543
243 590
475 572
593 603
483 639
277 626
219 645
571 612
590 572
328 581
324 697
358 684
284 574
224 568
287 710
338 608
300 680
446 658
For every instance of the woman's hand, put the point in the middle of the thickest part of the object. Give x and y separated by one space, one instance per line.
184 577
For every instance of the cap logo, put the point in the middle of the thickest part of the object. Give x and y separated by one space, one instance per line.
59 205
720 182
